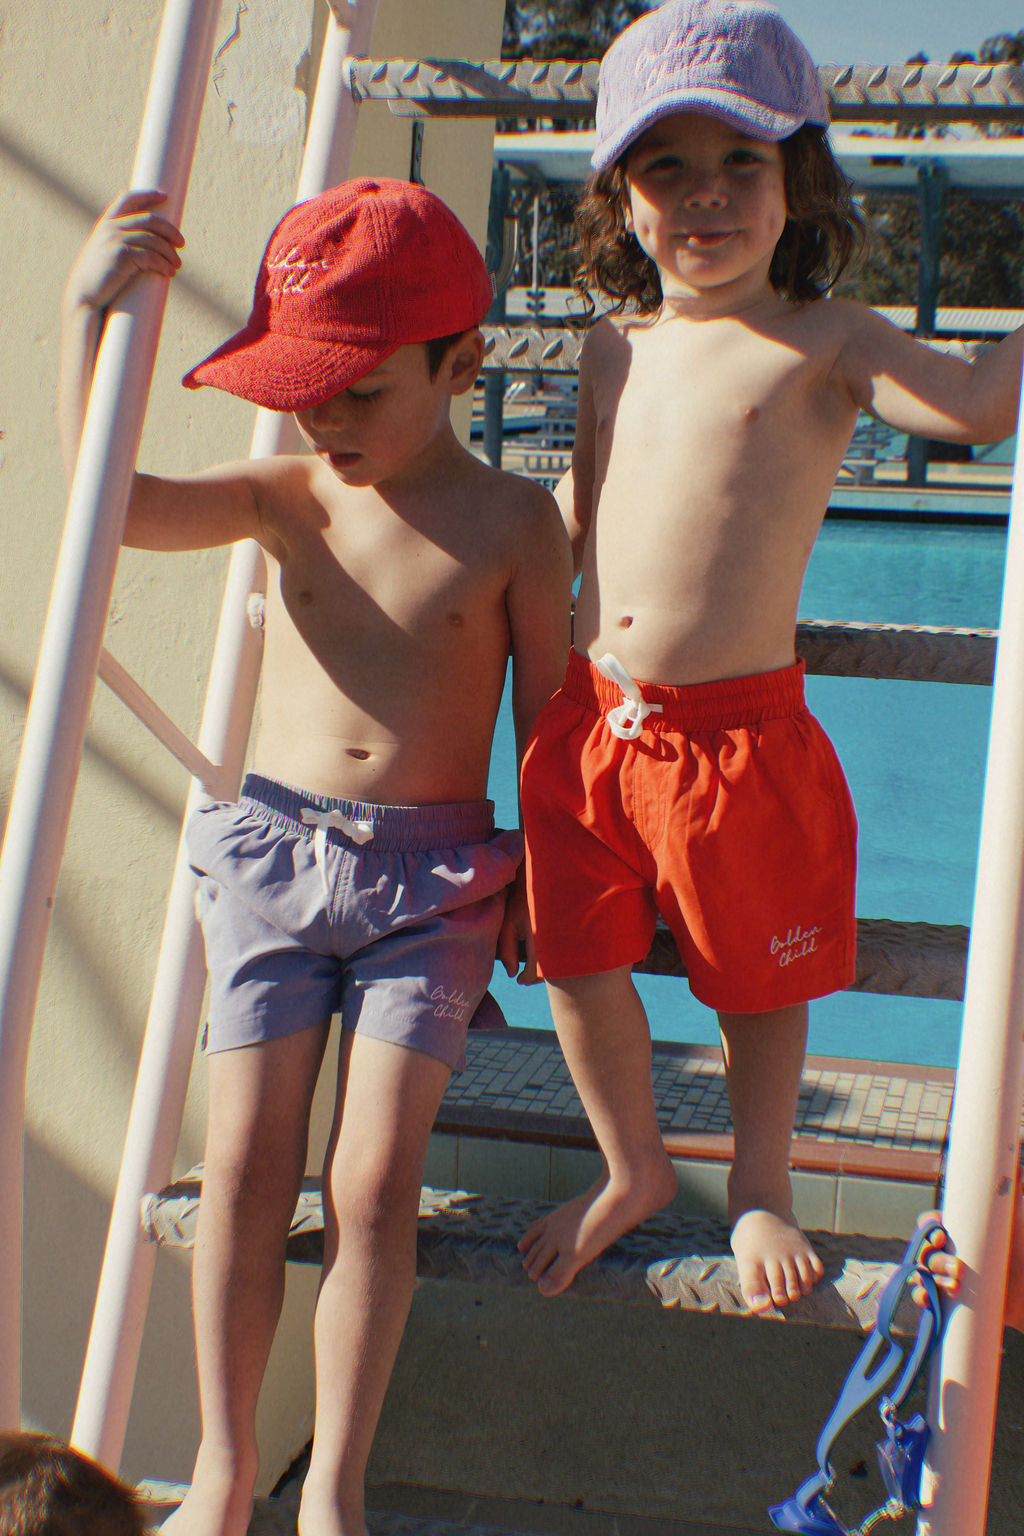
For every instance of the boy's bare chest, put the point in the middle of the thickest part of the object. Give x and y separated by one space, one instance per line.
710 394
363 585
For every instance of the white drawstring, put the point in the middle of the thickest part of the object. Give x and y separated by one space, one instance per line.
358 831
627 720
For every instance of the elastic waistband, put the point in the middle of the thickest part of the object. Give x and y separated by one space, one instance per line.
728 703
398 828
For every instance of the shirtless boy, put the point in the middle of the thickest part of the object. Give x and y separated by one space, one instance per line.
403 574
716 402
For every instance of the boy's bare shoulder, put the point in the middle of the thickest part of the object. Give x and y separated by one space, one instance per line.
514 494
836 318
610 331
523 514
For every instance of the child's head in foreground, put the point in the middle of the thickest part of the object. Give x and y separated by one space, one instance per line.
48 1489
738 64
349 278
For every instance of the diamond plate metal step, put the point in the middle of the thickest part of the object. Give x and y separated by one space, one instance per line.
670 1261
565 89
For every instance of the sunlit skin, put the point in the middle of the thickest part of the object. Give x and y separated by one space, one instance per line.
708 206
947 1268
708 439
402 575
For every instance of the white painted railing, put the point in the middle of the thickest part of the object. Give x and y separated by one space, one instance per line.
981 1179
55 725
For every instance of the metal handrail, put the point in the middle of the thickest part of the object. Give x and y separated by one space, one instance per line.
981 1180
55 724
565 90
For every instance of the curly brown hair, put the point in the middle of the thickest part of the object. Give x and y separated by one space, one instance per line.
824 231
49 1489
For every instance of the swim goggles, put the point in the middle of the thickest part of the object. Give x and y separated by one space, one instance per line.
901 1453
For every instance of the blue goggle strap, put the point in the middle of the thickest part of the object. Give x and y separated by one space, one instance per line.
901 1454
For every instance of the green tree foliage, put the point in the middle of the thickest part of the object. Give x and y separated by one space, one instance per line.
565 29
982 262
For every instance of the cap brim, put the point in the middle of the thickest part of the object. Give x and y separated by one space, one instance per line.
285 373
749 117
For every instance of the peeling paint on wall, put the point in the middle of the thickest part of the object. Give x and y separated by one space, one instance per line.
259 70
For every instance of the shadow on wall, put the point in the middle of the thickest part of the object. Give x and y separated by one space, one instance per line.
14 692
65 1232
71 203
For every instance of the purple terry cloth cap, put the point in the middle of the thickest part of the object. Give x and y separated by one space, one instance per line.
733 60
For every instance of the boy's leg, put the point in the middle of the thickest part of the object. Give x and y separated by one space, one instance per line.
258 1119
605 1037
388 1097
764 1055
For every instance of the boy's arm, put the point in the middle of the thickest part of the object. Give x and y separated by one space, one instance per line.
575 492
538 603
220 506
921 390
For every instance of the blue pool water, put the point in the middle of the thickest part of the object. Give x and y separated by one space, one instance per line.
914 755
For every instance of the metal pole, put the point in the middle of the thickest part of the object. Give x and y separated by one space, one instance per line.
983 1151
55 725
932 182
494 383
115 1337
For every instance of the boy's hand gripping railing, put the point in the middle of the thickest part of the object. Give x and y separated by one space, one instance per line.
55 725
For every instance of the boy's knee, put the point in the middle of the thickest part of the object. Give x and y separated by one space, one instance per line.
373 1194
252 1176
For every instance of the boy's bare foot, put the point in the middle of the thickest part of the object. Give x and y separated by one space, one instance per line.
197 1517
557 1247
213 1506
322 1513
777 1264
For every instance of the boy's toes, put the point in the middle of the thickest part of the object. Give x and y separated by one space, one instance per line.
530 1236
756 1287
537 1255
776 1264
759 1298
555 1278
810 1270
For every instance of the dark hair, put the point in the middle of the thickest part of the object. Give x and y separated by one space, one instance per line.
49 1489
823 233
436 349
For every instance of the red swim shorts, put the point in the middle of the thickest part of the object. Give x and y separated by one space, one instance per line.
728 814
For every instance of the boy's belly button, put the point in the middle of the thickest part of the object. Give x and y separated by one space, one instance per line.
358 753
625 621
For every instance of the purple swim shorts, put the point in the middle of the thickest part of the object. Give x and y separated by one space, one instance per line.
388 915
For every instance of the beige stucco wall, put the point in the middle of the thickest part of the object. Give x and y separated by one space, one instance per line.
73 86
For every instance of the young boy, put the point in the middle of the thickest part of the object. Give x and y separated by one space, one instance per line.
403 573
716 402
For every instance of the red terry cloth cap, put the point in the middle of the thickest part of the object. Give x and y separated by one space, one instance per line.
349 277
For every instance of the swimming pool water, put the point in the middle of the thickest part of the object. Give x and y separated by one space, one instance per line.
914 755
